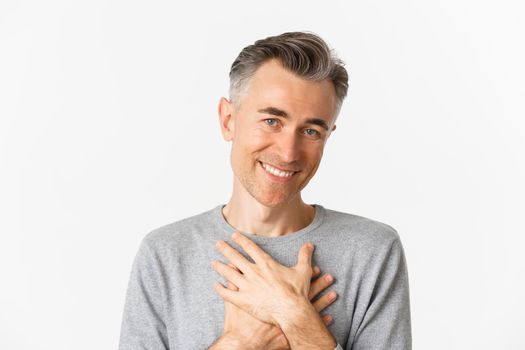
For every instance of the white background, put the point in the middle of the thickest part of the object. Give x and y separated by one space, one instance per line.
109 129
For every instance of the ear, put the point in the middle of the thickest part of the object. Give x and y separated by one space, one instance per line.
330 132
226 118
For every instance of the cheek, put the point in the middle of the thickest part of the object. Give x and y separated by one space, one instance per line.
314 153
252 143
245 152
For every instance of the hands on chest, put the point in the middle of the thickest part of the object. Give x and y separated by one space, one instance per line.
268 305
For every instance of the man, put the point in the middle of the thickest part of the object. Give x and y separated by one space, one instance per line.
286 92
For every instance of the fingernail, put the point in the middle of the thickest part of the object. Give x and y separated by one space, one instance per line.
332 295
329 278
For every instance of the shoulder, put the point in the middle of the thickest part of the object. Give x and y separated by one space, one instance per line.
178 234
367 243
360 230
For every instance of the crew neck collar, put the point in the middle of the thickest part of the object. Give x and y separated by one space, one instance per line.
229 229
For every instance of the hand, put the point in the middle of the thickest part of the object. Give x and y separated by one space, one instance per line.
254 334
267 290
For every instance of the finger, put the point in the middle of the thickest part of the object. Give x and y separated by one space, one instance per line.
319 284
234 267
228 273
305 256
253 250
230 284
323 302
227 294
233 256
327 319
315 271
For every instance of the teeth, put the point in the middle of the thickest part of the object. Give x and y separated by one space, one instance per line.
275 171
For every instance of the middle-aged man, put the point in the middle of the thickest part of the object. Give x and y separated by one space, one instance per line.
268 245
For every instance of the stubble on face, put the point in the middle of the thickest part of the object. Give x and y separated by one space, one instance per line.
256 182
260 187
253 142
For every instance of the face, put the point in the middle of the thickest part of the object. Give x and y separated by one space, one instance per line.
283 121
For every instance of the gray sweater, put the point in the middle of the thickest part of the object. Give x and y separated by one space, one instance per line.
171 304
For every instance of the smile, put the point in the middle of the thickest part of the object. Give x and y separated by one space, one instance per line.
277 173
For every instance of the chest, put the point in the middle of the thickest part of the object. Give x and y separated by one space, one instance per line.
196 312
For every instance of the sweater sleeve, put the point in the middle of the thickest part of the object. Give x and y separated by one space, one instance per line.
144 321
386 323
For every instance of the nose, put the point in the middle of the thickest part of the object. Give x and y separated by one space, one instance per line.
289 147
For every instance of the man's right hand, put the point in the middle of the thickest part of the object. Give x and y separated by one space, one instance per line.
243 331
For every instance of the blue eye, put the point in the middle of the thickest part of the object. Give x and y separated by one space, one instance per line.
270 119
316 132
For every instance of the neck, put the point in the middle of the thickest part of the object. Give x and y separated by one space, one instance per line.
253 217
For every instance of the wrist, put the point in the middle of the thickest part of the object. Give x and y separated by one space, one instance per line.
302 323
299 309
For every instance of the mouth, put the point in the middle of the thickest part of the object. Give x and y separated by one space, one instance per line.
277 174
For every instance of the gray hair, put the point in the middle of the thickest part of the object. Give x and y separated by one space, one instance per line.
302 53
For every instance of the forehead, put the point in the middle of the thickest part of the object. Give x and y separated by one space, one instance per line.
273 85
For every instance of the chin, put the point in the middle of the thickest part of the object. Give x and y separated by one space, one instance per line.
274 201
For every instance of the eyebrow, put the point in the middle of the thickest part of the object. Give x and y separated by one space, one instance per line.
280 113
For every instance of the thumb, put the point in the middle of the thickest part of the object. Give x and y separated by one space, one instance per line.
305 256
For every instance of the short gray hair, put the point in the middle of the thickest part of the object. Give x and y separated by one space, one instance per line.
302 53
